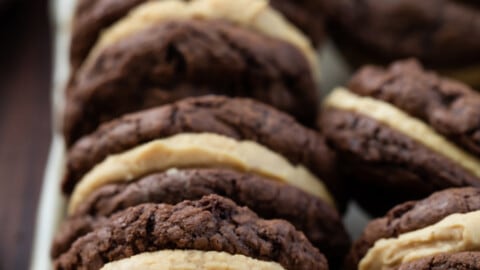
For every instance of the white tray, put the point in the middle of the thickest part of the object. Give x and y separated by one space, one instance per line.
51 209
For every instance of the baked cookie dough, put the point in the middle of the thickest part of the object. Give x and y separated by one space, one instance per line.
211 224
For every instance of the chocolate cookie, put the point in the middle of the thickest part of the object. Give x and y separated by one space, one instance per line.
272 200
210 224
240 119
441 33
402 134
174 60
91 17
444 216
459 261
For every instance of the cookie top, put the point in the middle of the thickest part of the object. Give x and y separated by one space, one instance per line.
445 32
167 62
92 17
450 107
240 119
210 224
413 216
269 199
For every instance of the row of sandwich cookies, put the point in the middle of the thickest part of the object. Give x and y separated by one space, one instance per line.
408 139
91 107
153 53
407 238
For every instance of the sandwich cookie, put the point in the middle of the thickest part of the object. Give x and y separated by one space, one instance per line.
444 35
239 148
167 50
92 17
211 233
269 199
439 232
403 133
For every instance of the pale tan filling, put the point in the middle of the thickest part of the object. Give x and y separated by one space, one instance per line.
197 150
455 233
402 122
191 260
253 14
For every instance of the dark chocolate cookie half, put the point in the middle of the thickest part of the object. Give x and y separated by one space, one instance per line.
414 215
457 261
450 107
269 199
179 59
210 224
93 16
237 118
439 32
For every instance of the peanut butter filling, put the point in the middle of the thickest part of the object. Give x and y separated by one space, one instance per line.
253 14
455 233
197 150
404 123
190 260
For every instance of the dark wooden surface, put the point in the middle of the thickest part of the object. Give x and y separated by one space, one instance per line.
24 124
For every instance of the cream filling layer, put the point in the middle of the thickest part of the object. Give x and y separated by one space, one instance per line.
197 150
455 233
253 14
190 260
412 127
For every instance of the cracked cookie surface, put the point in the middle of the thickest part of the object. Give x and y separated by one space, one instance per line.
210 224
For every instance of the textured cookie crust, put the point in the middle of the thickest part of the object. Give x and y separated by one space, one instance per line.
451 108
457 261
440 32
180 59
383 165
269 199
241 119
210 224
93 16
415 215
